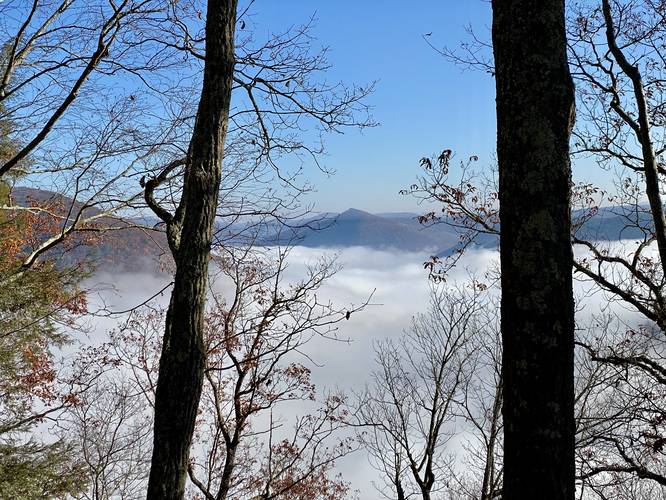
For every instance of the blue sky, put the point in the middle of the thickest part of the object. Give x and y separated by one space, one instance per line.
423 102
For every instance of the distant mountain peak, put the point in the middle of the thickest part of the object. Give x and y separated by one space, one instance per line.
355 213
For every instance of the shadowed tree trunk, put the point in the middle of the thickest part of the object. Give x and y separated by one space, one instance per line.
535 112
189 232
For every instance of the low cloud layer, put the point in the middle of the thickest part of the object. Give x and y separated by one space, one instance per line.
399 286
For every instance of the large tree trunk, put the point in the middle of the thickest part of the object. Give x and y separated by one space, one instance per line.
535 111
182 362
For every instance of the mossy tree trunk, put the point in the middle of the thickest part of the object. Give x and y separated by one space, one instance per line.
535 111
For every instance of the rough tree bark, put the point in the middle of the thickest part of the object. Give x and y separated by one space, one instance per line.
535 112
189 231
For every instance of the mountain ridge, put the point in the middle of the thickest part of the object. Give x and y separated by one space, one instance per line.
133 248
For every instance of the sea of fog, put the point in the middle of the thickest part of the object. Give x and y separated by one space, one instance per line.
399 287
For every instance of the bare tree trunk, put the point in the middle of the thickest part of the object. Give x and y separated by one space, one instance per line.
488 484
190 232
641 128
535 111
399 489
227 472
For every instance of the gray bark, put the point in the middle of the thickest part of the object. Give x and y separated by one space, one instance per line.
190 231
